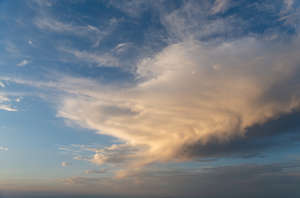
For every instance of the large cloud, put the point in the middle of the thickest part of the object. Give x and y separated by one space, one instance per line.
215 78
191 93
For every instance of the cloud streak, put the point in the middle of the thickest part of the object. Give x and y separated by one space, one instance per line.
4 103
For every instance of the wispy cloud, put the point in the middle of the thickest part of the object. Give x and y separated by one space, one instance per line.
57 26
2 148
289 3
2 84
220 6
23 63
65 164
102 60
86 31
101 171
5 103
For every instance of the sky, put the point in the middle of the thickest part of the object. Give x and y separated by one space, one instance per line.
149 99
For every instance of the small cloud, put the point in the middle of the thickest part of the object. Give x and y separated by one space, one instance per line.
288 3
2 148
121 47
95 171
23 63
65 164
7 108
4 100
220 6
2 84
101 60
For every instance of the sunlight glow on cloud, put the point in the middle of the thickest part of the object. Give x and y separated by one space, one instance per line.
189 75
184 100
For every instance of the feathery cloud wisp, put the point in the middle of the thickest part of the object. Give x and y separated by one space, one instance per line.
4 103
23 63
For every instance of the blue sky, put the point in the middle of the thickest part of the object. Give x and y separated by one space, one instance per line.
159 98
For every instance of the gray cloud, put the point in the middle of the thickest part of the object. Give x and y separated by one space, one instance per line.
208 182
279 133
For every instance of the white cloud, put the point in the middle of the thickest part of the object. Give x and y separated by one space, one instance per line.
57 26
7 108
102 60
121 47
4 103
23 63
2 148
2 84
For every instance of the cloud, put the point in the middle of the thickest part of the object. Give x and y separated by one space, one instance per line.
220 6
274 135
288 3
210 21
7 108
2 84
191 97
115 154
3 148
102 171
183 107
86 31
202 182
132 8
121 47
182 99
103 60
4 103
65 164
58 26
43 3
23 63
